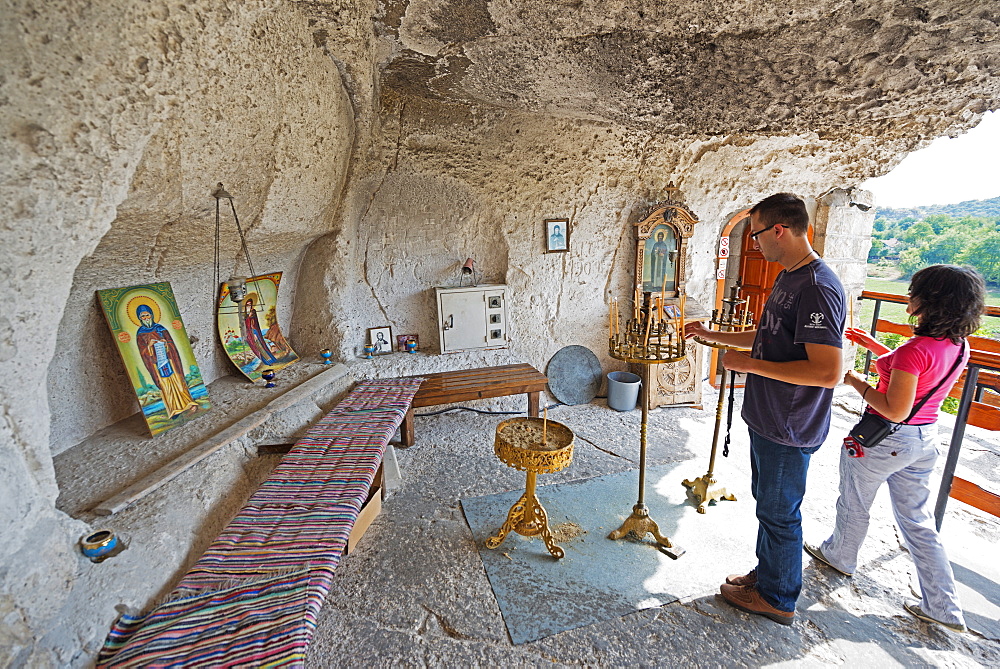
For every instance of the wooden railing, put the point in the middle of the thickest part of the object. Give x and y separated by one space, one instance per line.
978 392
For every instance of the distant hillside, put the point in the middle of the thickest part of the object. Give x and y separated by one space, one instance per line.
985 208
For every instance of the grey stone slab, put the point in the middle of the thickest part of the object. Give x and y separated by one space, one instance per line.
575 375
600 578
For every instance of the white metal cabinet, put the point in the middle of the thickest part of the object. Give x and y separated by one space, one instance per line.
472 317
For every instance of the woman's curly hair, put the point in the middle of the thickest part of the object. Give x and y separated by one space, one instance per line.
948 302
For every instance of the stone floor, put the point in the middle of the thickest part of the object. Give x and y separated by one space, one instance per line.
414 592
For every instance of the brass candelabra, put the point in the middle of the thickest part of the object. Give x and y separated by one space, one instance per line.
654 335
733 317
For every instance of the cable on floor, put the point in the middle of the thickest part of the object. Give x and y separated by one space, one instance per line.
484 411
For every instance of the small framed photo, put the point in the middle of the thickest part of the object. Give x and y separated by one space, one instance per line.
380 339
402 340
556 235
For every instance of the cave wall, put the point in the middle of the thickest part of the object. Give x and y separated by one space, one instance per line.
466 182
118 119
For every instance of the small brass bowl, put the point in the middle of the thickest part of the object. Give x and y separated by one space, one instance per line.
98 545
519 444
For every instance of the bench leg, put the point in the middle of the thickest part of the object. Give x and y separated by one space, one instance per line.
406 429
533 403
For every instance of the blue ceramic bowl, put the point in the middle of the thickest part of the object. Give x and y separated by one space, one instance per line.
96 546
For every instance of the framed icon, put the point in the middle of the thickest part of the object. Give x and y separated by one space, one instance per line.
556 235
661 248
156 350
380 339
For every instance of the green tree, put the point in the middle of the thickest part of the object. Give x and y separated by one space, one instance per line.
918 232
910 260
946 247
984 255
938 222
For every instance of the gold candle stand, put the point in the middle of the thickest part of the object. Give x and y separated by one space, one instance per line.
654 336
535 445
729 319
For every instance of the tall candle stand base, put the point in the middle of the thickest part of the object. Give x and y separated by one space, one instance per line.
705 489
731 318
639 524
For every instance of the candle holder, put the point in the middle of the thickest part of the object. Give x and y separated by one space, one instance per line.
100 545
733 317
326 354
537 446
653 336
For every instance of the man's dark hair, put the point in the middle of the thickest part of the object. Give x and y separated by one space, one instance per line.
948 301
783 209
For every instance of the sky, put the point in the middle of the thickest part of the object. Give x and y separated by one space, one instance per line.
947 171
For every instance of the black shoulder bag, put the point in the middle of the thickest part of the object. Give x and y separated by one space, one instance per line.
872 428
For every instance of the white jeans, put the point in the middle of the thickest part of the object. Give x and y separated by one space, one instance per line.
905 460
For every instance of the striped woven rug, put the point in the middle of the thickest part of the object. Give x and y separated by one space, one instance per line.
253 597
257 623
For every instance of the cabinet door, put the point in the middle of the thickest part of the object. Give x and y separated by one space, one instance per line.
463 321
678 383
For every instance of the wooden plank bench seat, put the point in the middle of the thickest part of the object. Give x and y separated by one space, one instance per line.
464 385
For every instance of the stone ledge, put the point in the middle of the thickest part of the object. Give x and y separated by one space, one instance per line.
115 468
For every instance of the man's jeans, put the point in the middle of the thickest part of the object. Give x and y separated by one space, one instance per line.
905 460
778 484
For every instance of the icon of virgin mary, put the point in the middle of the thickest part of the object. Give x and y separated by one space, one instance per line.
252 334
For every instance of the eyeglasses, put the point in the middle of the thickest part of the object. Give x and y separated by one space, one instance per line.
755 235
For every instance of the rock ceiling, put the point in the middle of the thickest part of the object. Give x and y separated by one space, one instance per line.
887 68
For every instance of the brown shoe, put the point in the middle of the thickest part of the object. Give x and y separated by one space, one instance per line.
749 600
743 580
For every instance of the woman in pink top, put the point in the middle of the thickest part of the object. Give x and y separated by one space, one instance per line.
945 306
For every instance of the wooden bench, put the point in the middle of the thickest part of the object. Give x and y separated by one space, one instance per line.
474 384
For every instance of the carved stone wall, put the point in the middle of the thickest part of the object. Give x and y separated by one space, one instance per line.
371 148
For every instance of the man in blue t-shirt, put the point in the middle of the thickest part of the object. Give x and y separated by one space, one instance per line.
794 363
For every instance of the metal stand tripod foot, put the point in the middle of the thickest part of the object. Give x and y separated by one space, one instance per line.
704 489
639 524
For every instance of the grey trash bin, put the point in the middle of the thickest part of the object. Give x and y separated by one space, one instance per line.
623 390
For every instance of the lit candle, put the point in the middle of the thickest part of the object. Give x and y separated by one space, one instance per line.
649 321
545 423
611 317
617 326
663 288
850 304
680 330
673 317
